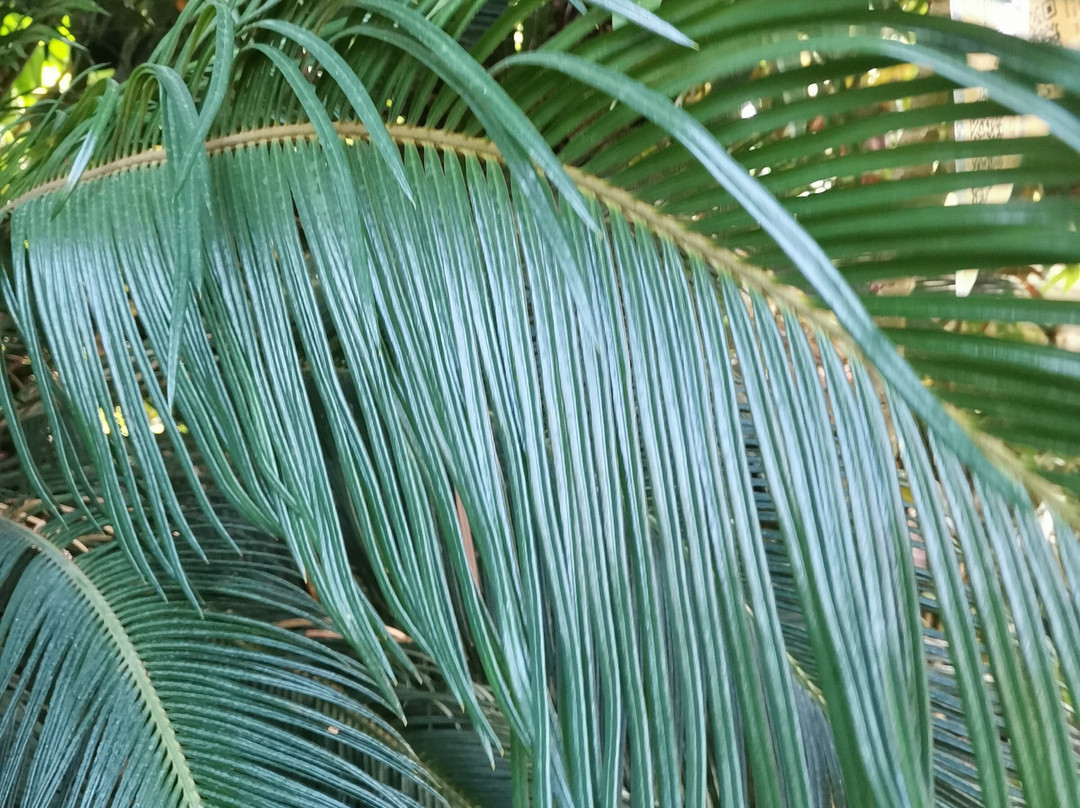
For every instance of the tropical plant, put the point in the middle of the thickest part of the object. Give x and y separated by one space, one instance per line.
417 421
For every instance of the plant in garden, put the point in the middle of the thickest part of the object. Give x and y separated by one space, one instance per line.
426 403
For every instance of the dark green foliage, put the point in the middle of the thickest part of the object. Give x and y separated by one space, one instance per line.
668 530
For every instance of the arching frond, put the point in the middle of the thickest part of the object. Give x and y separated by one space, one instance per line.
905 160
110 695
555 440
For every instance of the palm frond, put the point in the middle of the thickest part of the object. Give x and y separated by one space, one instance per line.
852 118
113 696
553 448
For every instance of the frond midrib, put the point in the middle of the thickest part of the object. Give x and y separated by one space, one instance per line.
129 655
611 196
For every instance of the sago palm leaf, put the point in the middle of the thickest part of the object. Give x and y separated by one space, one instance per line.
849 116
110 695
667 507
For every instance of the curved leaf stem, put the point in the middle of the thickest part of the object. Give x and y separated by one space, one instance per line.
129 656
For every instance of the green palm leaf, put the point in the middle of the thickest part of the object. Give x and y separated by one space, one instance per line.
663 507
813 137
112 696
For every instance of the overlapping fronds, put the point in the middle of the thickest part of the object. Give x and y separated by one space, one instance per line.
110 695
906 162
684 525
429 352
863 121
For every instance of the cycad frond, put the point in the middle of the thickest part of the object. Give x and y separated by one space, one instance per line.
904 162
110 695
